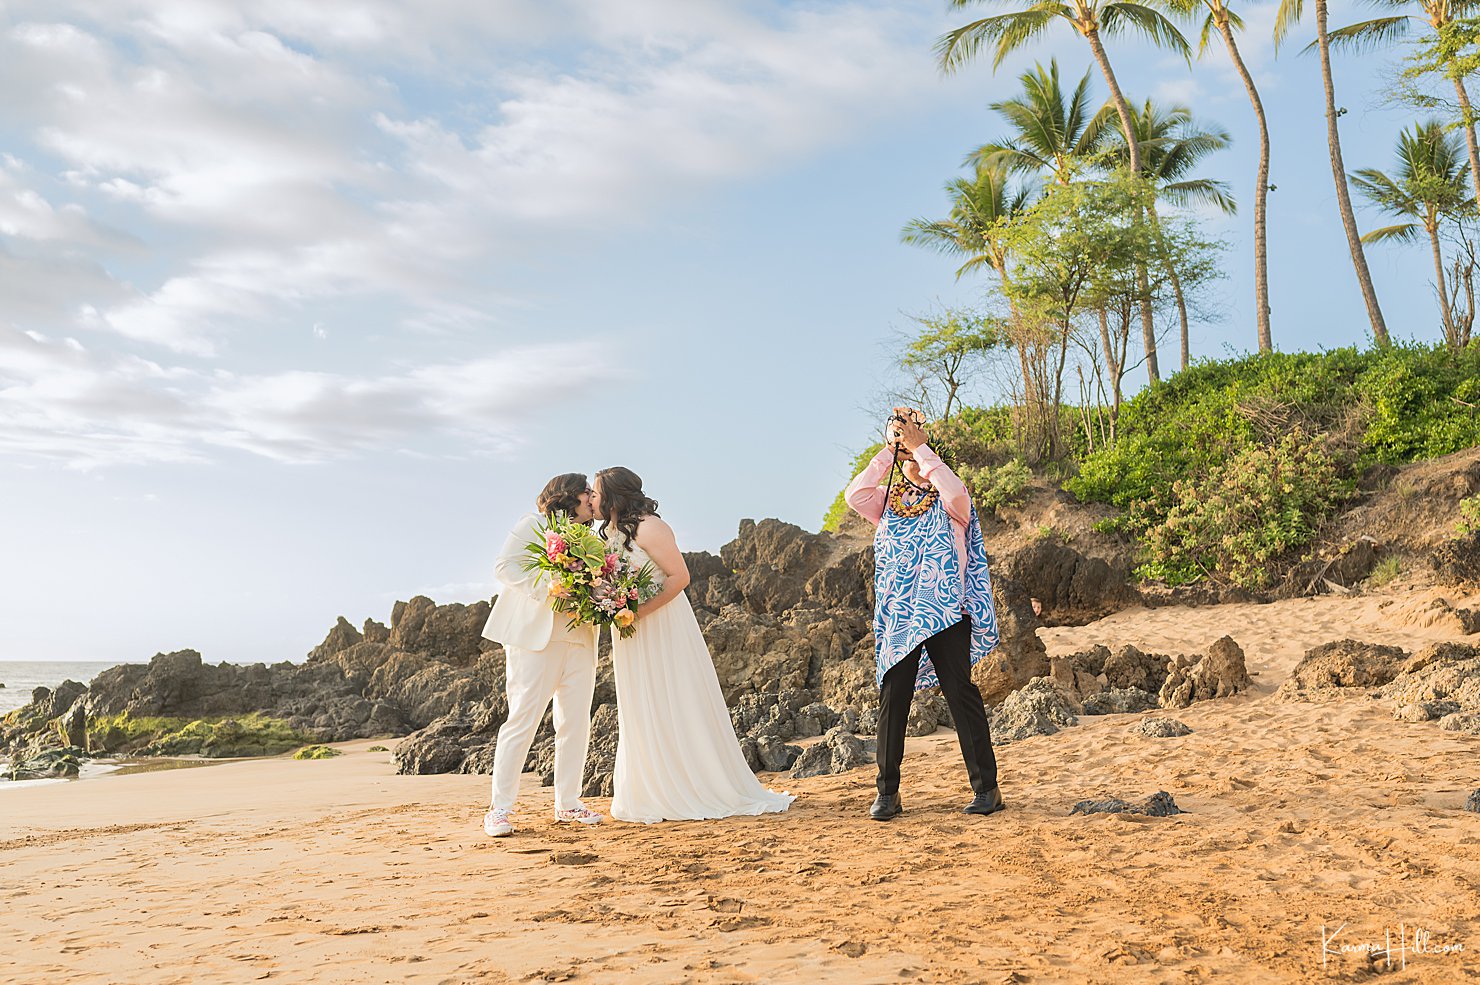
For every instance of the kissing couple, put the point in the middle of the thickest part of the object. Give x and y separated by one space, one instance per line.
677 755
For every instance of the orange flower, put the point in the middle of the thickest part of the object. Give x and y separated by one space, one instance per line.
624 618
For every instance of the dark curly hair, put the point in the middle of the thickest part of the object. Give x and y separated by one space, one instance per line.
562 494
623 503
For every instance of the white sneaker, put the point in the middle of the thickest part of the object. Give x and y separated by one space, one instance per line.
580 814
496 823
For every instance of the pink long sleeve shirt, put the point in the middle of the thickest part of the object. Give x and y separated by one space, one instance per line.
865 496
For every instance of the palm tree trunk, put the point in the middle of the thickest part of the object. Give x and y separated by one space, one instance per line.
1444 310
1343 194
1261 192
1469 118
1123 108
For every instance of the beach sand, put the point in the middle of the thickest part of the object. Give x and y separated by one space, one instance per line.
1299 815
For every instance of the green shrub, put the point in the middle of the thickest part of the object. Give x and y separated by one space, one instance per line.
1240 517
993 488
1418 397
1399 405
1469 515
316 752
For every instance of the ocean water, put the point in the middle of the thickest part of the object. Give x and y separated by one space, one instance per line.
20 677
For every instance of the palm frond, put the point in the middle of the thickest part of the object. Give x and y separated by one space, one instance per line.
1285 19
1121 17
1007 31
1405 233
1201 191
1206 32
1367 35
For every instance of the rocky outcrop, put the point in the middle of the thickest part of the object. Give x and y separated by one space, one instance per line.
1020 655
353 685
838 752
1072 588
1441 672
1220 673
1102 681
1040 707
1342 664
1461 721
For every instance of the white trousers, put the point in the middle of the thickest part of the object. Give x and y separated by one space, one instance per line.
565 672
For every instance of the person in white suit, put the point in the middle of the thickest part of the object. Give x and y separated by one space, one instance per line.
544 660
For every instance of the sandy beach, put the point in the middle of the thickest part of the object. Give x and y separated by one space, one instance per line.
1299 816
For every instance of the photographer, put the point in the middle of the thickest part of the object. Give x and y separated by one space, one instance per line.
934 616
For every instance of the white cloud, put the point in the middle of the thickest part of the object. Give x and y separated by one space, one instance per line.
61 402
275 154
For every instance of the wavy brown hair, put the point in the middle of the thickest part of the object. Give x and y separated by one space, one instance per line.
562 494
623 503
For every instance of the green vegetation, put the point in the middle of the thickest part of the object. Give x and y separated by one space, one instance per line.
1394 405
317 752
1469 515
217 737
1384 572
377 749
992 488
1230 468
1241 516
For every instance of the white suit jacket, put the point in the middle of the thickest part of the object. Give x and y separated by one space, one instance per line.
521 615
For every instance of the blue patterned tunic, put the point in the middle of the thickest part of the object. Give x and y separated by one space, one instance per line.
917 588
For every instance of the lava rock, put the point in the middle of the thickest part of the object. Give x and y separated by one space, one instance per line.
1119 701
1159 804
1037 708
1219 674
1160 728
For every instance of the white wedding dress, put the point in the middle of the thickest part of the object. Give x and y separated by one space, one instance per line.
677 755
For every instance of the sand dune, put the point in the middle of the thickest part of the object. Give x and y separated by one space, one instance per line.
1299 815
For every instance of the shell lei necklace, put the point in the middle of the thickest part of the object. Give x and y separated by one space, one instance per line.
919 507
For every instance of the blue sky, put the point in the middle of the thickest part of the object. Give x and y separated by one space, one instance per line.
303 302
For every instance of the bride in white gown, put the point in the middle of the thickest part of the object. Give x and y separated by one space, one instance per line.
677 755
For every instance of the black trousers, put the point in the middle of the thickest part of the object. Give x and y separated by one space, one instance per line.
950 652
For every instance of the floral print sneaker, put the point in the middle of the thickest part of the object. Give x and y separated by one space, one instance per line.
496 823
581 814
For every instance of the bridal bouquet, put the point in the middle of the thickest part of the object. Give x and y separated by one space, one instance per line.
588 582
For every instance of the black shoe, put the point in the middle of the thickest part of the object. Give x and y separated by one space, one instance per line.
886 807
985 803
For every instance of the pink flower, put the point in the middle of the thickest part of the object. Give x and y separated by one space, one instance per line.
610 565
554 544
632 595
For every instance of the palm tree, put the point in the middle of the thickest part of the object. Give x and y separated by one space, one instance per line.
980 207
1225 21
1288 16
1438 14
1050 133
1091 18
1172 146
1429 185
